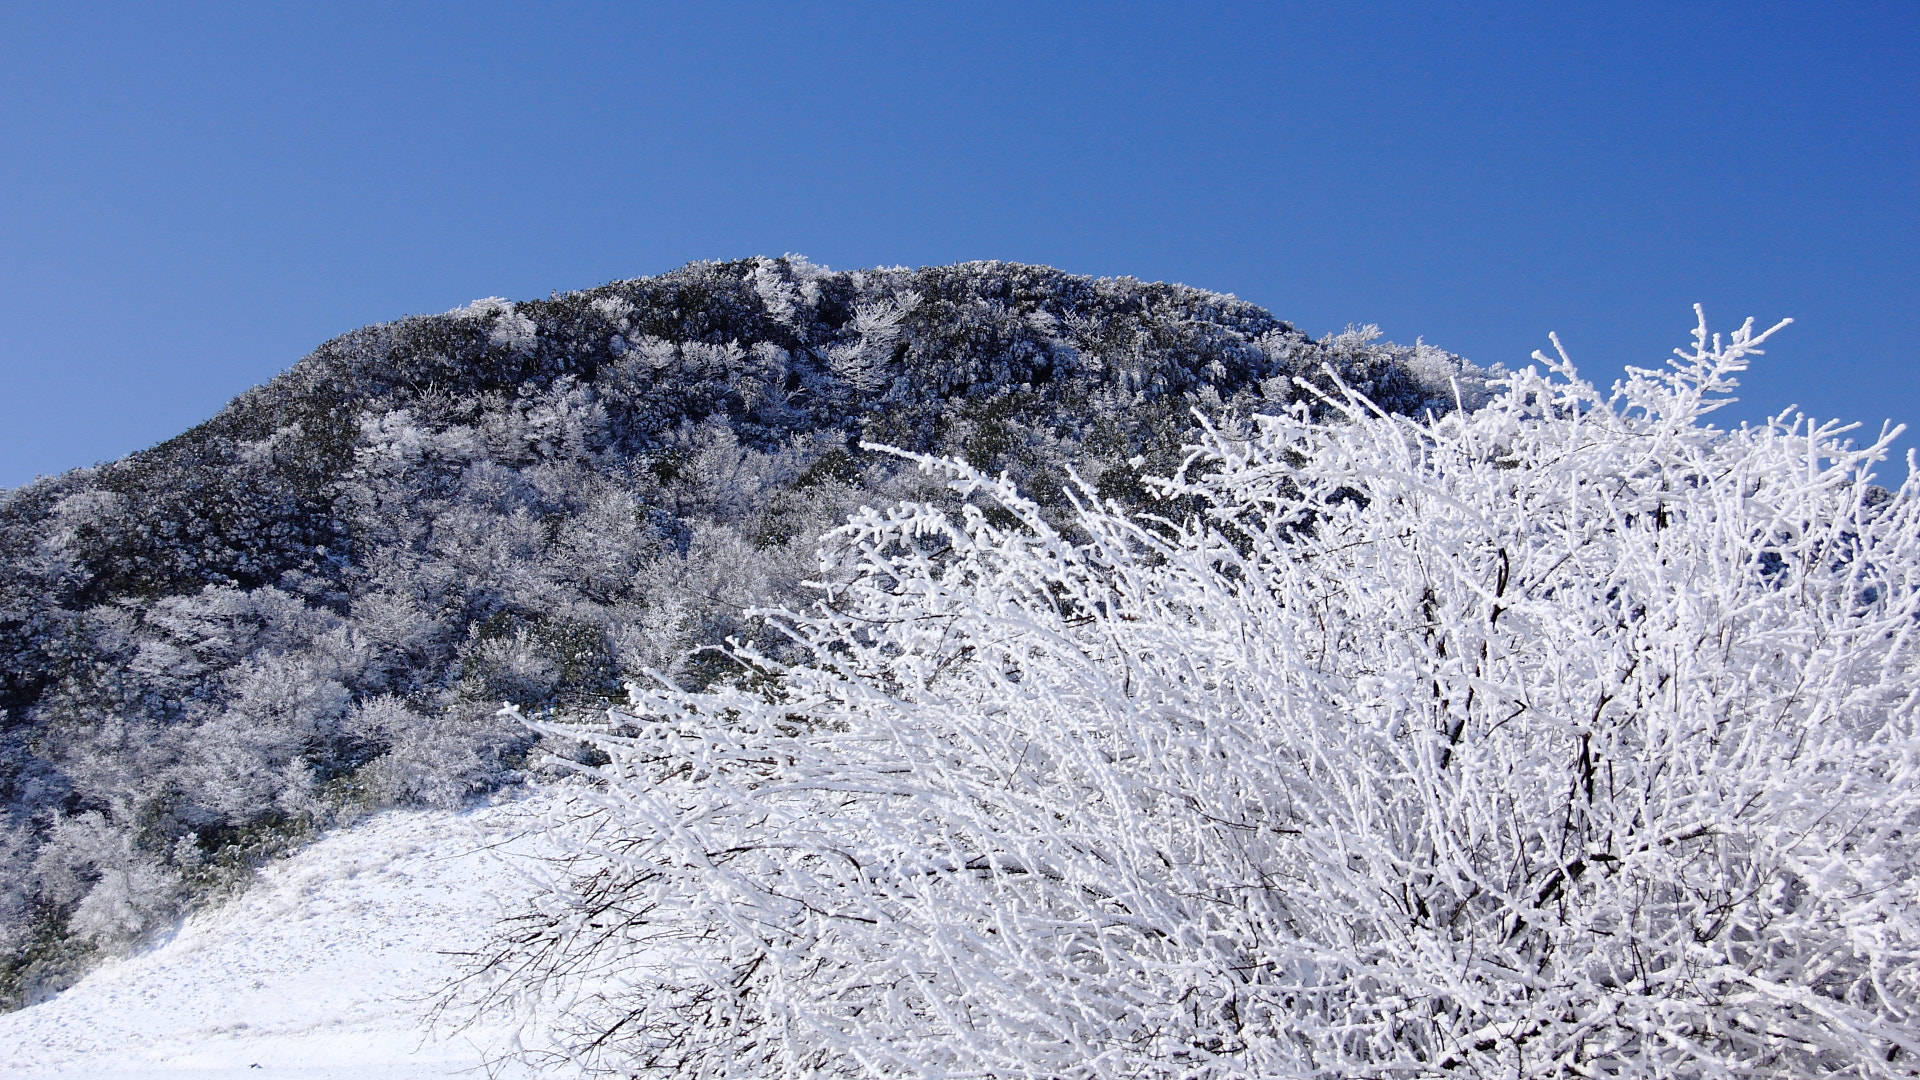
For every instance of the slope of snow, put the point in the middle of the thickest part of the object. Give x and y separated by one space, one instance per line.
324 969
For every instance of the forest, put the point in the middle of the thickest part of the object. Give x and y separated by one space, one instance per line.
316 604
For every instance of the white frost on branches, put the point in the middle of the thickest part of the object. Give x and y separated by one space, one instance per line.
1566 737
877 328
507 327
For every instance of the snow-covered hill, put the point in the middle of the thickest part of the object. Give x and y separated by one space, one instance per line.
315 603
323 969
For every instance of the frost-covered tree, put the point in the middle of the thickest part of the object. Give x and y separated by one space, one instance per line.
1566 737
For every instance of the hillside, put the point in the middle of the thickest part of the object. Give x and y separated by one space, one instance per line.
313 605
324 970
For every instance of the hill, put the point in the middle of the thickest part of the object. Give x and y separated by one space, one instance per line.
313 605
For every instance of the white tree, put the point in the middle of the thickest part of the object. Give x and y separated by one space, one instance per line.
863 362
1566 737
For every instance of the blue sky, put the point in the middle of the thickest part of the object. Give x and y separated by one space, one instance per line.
193 196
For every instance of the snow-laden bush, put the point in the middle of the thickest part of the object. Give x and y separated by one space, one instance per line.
1566 737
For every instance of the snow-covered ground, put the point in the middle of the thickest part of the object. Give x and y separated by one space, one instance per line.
323 969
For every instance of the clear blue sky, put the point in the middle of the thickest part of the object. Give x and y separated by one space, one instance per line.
193 196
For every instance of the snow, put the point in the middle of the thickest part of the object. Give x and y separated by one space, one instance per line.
323 969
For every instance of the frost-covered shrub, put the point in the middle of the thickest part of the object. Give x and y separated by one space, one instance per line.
115 893
440 759
1569 737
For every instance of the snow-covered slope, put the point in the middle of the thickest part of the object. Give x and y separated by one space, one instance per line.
323 969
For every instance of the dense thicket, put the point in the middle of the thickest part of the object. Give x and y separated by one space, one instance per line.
317 601
1569 737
